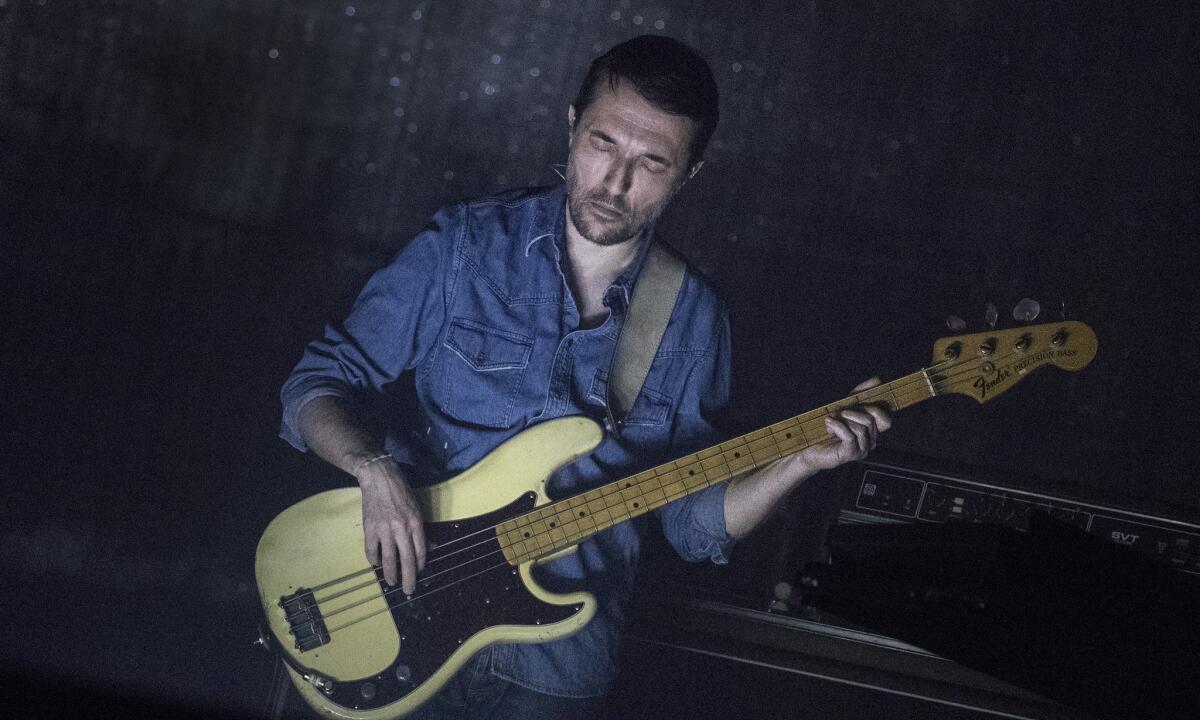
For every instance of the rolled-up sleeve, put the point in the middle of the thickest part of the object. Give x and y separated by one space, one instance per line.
695 524
391 327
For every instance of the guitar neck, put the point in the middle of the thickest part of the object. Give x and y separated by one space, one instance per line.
567 522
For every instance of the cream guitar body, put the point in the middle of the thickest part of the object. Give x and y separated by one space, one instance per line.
358 649
371 653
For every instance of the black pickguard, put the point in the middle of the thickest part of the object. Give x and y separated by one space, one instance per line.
460 595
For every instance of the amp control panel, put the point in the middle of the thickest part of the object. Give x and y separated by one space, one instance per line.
895 493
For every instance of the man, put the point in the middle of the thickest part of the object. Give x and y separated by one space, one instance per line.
504 313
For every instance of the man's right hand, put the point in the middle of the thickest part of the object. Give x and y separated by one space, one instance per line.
392 524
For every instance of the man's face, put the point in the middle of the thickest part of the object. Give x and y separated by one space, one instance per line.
627 159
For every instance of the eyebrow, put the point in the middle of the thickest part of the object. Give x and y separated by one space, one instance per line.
649 156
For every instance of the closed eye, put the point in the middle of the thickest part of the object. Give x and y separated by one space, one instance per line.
653 165
602 142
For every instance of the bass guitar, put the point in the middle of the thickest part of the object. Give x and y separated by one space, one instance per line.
357 648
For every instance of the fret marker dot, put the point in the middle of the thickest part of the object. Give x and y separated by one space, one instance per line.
551 524
691 472
526 534
789 436
582 514
737 455
635 504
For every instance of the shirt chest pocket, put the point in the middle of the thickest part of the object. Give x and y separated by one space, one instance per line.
649 408
478 376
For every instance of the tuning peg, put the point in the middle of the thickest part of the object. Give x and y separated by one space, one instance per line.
991 315
956 323
1027 310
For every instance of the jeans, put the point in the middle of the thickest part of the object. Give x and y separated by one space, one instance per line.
474 693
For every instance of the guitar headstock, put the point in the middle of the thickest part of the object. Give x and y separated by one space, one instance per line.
983 365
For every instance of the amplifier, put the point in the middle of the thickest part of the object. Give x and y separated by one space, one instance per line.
1084 601
749 613
908 491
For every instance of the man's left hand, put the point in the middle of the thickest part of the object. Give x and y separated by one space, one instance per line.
855 432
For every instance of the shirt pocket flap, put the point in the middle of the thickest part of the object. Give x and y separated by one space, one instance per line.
485 348
649 408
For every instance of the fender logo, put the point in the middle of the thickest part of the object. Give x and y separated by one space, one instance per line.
984 386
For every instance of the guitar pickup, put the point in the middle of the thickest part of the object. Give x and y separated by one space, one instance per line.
304 619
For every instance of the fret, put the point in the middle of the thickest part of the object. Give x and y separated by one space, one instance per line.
675 489
757 434
814 428
719 474
765 442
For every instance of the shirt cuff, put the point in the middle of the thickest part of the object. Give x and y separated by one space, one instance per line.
708 514
289 428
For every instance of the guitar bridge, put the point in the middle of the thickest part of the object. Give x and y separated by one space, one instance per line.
304 619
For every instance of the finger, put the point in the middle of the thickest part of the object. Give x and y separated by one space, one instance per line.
839 430
408 562
371 546
883 420
389 561
866 384
858 415
862 417
862 437
418 539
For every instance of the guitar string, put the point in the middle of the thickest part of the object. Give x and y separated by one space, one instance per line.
427 580
942 381
409 599
884 389
418 596
873 390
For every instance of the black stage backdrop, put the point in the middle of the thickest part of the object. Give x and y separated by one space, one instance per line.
188 190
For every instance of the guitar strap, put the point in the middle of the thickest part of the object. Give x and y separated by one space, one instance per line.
650 305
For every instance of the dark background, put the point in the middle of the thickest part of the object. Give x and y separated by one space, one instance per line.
189 190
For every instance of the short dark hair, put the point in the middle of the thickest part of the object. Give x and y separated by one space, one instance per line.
667 73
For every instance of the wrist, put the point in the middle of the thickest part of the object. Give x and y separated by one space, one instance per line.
356 463
802 466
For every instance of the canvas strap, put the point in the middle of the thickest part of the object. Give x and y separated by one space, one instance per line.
654 294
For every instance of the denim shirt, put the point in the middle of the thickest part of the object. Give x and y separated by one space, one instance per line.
471 335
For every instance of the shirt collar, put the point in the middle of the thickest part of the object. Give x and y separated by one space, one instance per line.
549 221
624 282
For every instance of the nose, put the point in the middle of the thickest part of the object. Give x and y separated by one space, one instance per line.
618 177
